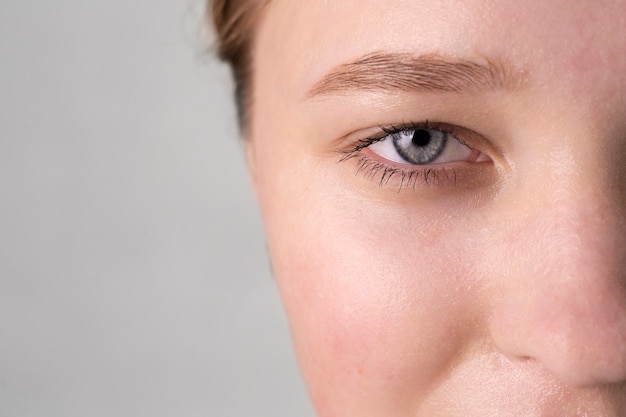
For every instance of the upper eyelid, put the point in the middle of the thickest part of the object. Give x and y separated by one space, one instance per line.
391 129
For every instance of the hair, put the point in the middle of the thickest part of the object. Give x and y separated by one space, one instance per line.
234 22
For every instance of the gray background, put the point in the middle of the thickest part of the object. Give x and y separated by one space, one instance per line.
133 275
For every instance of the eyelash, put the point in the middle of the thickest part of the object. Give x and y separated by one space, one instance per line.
430 174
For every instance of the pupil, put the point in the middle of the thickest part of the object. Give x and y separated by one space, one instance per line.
421 137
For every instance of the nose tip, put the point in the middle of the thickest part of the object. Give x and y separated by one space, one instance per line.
562 300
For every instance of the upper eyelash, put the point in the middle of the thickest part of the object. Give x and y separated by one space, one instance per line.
408 177
393 129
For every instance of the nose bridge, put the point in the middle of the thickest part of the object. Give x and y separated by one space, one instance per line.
562 299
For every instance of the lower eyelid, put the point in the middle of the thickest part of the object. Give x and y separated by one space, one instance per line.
449 180
401 176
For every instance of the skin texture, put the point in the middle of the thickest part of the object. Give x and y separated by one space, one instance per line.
498 293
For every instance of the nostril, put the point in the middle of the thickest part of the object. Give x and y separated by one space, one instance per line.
577 337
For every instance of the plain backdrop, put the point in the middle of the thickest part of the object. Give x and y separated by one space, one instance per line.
133 273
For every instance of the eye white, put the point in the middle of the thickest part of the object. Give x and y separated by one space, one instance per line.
402 148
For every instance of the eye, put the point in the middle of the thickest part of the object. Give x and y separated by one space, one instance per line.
423 153
422 146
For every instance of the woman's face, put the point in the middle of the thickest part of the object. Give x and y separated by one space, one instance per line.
443 190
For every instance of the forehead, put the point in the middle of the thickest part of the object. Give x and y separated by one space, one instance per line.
300 41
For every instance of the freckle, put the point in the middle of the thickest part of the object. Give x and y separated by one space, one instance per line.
360 371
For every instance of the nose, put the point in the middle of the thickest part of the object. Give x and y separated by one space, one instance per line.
559 297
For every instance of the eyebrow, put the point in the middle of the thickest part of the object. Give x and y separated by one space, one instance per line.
391 72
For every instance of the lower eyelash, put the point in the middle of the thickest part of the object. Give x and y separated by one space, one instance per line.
408 178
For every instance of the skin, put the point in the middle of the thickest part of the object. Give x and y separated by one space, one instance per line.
499 294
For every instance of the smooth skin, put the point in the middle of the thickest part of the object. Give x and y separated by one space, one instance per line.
498 293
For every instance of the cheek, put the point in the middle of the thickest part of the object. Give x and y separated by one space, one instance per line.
374 292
